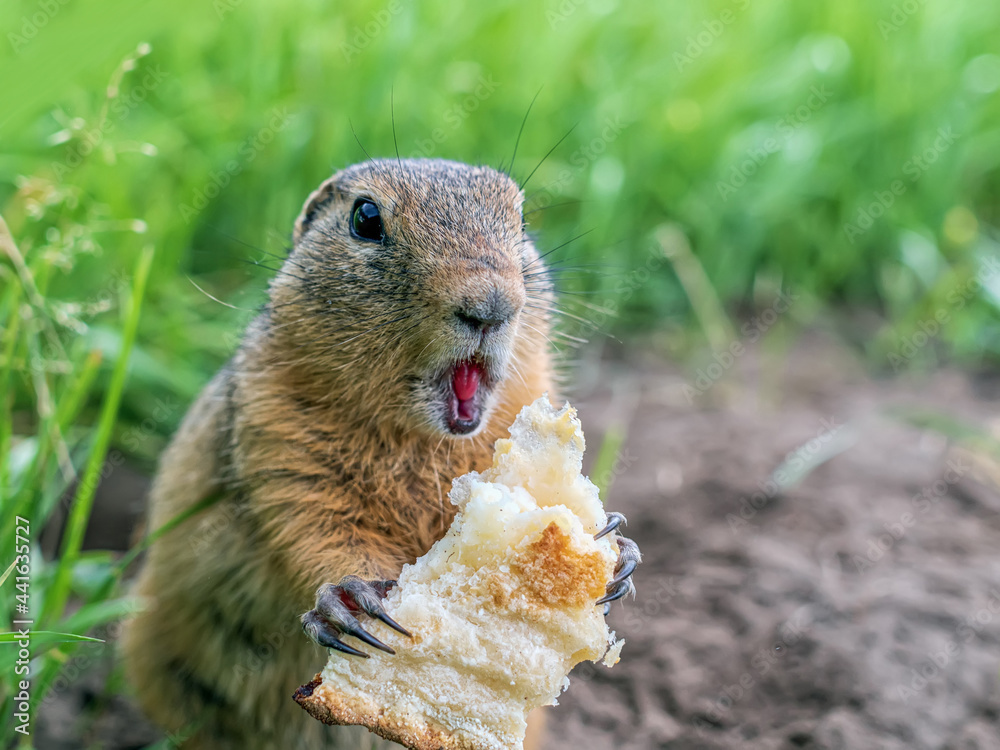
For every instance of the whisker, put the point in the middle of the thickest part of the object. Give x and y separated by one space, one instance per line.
551 205
246 244
557 247
216 299
331 333
517 371
528 179
392 116
540 333
519 132
258 264
561 313
373 328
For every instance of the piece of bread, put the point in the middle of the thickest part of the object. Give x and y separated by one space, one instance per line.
500 609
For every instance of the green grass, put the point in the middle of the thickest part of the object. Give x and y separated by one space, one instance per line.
718 154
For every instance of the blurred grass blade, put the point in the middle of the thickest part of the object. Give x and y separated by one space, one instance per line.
122 565
804 460
84 498
46 637
602 474
947 425
7 573
87 617
72 402
700 292
178 738
13 320
99 613
42 642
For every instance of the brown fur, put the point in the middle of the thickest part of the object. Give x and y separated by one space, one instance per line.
323 436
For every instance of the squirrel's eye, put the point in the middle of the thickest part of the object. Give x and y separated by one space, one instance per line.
366 223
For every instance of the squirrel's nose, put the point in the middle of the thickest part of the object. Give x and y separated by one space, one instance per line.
489 313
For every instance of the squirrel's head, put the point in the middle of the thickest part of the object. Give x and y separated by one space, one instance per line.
413 289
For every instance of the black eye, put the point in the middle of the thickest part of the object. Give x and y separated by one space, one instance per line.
366 223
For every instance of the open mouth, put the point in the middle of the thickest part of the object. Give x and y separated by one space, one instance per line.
465 397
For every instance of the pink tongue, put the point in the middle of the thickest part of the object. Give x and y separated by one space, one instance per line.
466 410
465 384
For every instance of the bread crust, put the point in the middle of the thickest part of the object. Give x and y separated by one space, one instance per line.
333 708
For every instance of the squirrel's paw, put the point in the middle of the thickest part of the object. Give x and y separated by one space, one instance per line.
335 614
629 558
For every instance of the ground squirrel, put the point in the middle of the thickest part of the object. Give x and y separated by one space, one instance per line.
405 330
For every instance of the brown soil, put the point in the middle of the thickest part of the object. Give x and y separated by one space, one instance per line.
859 608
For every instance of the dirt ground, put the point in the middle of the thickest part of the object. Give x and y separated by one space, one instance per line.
856 608
859 609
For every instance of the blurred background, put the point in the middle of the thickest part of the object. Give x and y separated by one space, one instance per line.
775 224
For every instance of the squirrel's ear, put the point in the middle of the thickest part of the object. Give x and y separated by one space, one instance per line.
320 198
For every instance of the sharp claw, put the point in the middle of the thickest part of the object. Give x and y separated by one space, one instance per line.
629 558
320 631
617 591
368 597
355 629
608 598
614 521
331 609
339 645
627 568
391 623
335 604
333 613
